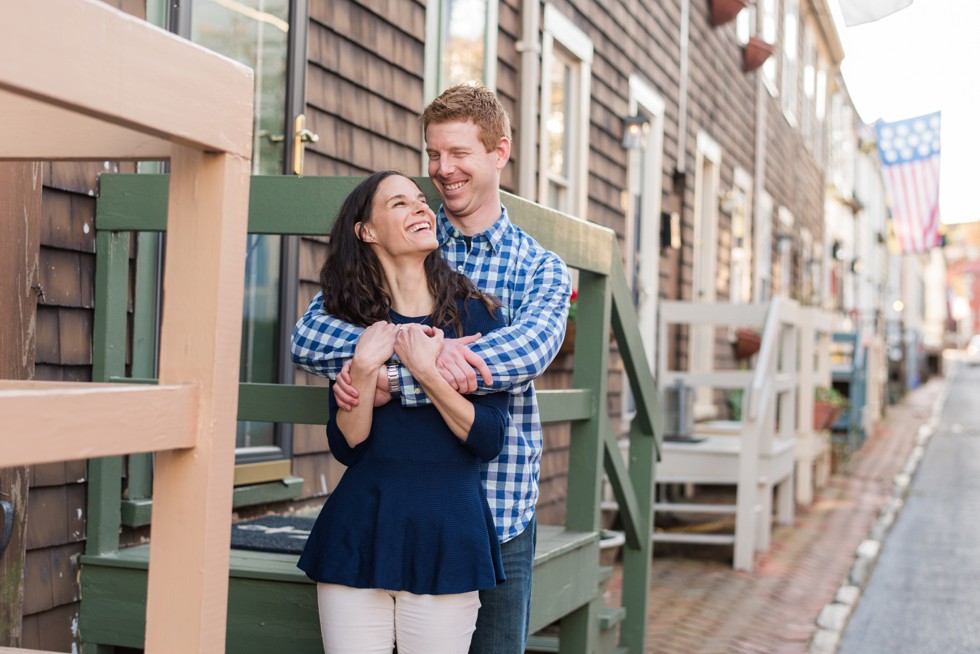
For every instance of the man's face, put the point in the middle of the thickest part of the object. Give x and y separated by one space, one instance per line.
464 173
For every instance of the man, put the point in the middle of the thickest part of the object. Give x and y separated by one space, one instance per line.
468 142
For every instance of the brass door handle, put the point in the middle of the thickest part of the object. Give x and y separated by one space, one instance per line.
301 136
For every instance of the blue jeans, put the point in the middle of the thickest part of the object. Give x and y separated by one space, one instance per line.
505 611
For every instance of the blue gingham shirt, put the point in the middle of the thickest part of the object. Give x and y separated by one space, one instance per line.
534 286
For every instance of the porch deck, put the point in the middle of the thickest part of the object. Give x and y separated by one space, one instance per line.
268 599
272 602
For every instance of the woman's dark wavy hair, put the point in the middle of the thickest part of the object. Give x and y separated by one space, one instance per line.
353 282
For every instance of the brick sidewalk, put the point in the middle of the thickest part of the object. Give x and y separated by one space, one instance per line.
700 605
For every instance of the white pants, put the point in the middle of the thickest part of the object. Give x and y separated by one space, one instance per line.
370 621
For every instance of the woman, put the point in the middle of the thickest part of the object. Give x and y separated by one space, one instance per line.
406 540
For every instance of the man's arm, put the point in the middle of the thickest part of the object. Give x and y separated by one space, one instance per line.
321 343
520 352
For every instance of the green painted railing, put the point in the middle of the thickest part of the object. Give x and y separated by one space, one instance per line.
307 206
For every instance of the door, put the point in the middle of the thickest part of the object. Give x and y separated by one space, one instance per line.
270 37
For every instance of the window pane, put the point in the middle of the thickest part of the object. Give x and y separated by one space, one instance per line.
558 117
255 32
464 32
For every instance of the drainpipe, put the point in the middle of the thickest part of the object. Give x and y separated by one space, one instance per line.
530 48
760 166
682 89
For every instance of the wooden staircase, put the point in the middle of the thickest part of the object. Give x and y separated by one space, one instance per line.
270 602
757 454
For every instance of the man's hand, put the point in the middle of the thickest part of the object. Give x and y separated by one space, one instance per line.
458 365
346 394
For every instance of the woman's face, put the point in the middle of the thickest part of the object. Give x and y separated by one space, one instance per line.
401 220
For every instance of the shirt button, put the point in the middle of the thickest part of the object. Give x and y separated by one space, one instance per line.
459 268
418 391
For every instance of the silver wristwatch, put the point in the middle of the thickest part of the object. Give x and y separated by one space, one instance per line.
394 386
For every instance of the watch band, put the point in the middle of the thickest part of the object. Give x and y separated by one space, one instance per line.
394 386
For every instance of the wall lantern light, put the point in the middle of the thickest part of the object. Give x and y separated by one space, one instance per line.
837 250
784 243
635 130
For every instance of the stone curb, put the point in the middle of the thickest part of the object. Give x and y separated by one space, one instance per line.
833 618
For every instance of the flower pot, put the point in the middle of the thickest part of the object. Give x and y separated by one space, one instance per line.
568 345
824 415
723 11
747 342
755 53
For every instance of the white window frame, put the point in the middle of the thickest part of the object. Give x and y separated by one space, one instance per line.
741 254
762 272
784 251
434 47
645 169
560 37
707 183
768 30
820 114
790 50
808 109
706 217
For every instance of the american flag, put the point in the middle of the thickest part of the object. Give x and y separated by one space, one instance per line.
858 12
909 152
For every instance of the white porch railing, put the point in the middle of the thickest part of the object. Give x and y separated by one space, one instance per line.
760 452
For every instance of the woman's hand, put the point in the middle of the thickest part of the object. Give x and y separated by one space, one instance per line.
418 346
375 346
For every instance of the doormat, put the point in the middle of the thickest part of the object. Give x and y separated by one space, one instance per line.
277 533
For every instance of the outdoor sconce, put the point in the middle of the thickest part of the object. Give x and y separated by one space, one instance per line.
837 250
784 243
726 201
635 130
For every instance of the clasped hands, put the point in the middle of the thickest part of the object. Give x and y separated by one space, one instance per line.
423 350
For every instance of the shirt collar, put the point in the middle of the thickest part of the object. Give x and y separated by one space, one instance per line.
494 235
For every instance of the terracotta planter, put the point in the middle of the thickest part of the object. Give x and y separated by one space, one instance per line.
723 11
755 53
568 345
824 415
747 342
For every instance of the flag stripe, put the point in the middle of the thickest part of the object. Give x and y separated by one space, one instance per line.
909 152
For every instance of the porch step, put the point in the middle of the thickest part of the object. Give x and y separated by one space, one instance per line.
691 507
549 645
704 539
609 617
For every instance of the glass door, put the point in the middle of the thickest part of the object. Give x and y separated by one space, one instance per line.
270 37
